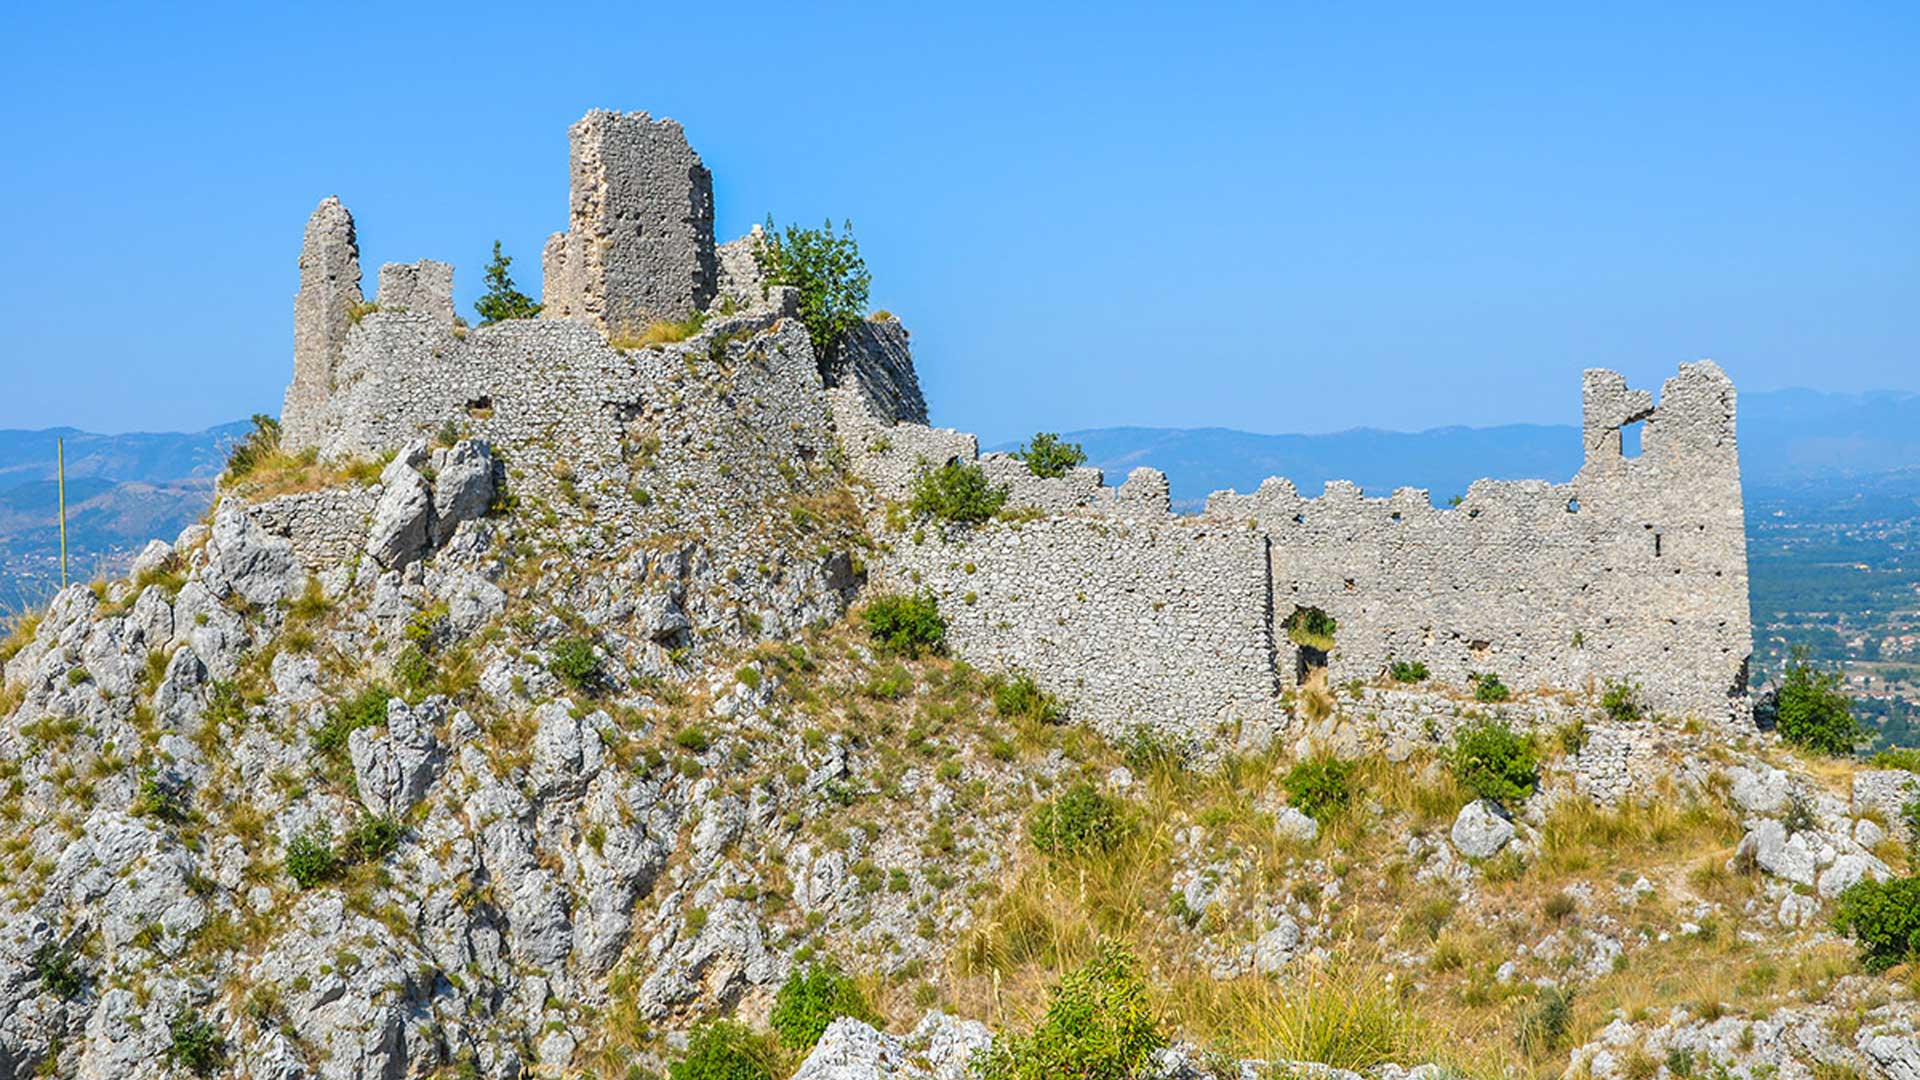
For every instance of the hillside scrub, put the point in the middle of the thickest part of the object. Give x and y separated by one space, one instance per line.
1812 711
726 1050
1319 787
1099 1025
905 624
1496 763
1082 820
813 998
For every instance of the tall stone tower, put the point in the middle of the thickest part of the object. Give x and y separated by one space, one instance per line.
322 315
639 243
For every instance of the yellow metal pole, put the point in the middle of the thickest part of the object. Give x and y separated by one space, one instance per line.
60 466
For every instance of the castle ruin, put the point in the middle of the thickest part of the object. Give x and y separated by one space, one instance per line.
1633 571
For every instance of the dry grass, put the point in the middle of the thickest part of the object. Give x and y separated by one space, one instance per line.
281 473
657 335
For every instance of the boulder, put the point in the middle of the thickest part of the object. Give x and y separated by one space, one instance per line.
1289 821
1849 869
852 1050
403 517
1481 829
244 560
1276 947
462 486
1785 856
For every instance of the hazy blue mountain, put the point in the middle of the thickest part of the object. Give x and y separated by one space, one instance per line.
1787 438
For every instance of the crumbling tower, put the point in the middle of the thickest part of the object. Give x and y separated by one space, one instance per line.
639 244
322 314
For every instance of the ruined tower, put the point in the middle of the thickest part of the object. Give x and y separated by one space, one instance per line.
322 314
639 243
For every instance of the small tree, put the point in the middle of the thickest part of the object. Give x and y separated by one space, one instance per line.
502 300
1811 710
254 448
1884 917
1312 628
1048 455
830 274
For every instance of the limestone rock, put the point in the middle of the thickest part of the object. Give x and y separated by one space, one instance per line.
1480 830
243 561
403 517
1773 850
1289 821
395 767
1849 869
851 1050
1275 948
947 1044
462 486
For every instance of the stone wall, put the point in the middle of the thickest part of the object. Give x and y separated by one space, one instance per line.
639 242
1137 625
322 313
1635 570
326 528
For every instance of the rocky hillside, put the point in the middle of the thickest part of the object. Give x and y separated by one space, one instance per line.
516 805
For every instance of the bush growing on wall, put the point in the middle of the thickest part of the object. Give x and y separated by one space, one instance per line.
905 624
1622 700
956 492
1488 688
1312 628
1050 456
1405 671
1494 762
1811 710
828 271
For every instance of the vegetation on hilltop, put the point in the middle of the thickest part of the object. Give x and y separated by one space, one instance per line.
503 300
827 269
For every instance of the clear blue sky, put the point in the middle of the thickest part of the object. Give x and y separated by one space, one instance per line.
1278 217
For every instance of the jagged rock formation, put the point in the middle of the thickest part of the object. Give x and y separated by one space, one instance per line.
546 653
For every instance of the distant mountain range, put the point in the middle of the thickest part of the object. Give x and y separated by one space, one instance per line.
123 490
1787 438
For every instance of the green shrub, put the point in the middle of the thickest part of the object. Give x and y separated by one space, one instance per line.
956 492
1897 757
368 708
905 624
1884 917
576 663
502 300
830 274
1621 701
808 1001
159 800
371 839
57 968
310 857
1312 628
1020 698
1099 1025
1811 710
1048 455
1319 787
1798 815
255 447
1081 821
1494 762
1544 1027
725 1050
196 1046
1405 671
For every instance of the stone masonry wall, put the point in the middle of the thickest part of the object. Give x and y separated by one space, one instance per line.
322 313
1635 570
639 243
1160 626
